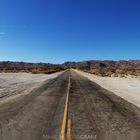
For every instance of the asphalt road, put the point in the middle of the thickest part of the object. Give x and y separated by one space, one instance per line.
93 111
99 114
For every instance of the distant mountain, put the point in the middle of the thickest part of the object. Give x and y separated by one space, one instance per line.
110 68
9 66
96 64
23 64
93 66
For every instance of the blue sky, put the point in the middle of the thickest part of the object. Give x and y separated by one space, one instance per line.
69 30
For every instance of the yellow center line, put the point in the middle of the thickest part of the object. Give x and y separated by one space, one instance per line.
69 129
65 119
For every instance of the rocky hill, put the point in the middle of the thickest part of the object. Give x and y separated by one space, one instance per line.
122 64
107 67
103 68
8 66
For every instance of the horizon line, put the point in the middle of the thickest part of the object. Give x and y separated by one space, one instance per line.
15 61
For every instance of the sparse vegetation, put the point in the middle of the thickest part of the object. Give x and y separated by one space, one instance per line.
34 68
101 68
109 72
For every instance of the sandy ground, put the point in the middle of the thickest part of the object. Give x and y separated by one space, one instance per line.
127 88
13 85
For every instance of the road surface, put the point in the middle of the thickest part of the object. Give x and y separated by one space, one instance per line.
93 112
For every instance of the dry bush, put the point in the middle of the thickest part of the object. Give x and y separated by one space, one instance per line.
112 72
35 71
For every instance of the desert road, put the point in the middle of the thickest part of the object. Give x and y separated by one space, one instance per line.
68 107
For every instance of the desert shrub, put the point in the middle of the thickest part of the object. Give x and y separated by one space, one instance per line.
35 71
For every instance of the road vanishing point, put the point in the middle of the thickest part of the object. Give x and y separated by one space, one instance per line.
69 107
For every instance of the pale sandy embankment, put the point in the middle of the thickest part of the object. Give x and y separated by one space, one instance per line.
13 85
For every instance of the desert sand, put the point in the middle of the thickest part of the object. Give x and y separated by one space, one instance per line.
13 85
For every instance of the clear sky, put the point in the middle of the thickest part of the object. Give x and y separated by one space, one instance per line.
69 30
